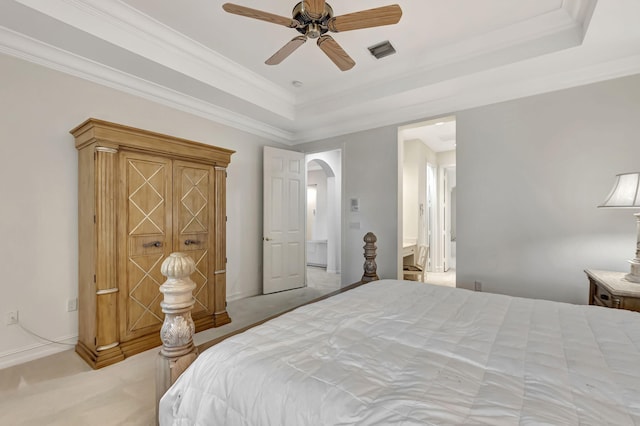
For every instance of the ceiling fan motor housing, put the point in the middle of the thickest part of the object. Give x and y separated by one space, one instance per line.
312 28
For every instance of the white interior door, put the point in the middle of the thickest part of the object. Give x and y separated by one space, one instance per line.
284 220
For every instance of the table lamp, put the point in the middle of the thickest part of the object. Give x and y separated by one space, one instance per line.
626 194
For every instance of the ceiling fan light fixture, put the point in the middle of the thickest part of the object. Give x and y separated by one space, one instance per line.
382 49
314 18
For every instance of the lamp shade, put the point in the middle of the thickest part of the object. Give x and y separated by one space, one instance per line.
625 192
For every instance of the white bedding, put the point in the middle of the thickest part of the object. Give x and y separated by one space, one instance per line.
404 353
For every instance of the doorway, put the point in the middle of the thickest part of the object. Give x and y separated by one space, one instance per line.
324 219
427 152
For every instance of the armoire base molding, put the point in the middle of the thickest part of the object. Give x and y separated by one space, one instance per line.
102 358
127 349
221 319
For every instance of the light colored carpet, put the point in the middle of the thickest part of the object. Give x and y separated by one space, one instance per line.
447 279
63 390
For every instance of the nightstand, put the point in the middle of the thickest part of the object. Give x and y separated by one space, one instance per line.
610 289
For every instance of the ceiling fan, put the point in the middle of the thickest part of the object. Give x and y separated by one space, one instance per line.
313 19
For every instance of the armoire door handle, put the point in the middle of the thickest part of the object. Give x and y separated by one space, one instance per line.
189 242
153 244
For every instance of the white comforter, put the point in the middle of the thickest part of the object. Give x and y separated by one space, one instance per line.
405 353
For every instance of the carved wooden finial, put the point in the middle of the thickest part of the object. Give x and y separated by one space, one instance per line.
178 327
370 267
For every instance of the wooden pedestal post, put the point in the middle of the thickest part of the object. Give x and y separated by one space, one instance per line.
178 350
370 267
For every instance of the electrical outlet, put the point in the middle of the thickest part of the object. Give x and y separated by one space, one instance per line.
72 305
12 317
477 286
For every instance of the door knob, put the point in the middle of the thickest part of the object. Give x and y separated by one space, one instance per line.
153 244
267 239
189 242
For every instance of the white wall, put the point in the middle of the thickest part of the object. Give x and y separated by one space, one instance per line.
319 231
38 211
370 174
446 158
529 177
412 187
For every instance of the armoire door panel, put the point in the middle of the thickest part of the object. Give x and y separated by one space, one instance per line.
143 298
193 185
146 190
202 292
145 199
193 222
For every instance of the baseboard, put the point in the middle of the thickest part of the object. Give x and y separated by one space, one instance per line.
238 296
35 351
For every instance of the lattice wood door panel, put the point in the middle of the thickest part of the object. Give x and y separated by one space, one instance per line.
146 197
193 223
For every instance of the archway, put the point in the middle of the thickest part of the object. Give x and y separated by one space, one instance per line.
324 213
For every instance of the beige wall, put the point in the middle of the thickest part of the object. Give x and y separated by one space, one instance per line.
371 175
530 174
412 186
38 207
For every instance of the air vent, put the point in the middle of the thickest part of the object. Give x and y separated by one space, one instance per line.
381 50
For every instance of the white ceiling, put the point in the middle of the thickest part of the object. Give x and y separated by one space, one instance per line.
439 135
452 55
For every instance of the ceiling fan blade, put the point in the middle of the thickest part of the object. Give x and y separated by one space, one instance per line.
335 52
386 15
313 8
286 50
259 14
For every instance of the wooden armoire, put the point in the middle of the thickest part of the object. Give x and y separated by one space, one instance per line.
141 196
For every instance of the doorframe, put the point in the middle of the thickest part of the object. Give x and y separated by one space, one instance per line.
445 211
432 207
437 252
342 211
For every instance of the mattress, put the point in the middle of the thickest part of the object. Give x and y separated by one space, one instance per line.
406 353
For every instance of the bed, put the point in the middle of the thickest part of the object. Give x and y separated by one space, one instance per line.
406 353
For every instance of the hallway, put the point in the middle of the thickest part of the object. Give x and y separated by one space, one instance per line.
320 279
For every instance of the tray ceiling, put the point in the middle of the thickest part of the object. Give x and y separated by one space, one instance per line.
451 55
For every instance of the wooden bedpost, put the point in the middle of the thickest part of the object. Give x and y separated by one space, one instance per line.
370 267
178 350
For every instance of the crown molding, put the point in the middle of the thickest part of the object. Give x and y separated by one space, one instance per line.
128 28
581 11
449 88
18 45
555 30
451 97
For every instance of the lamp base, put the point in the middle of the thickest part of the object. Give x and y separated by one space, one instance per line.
634 275
632 278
